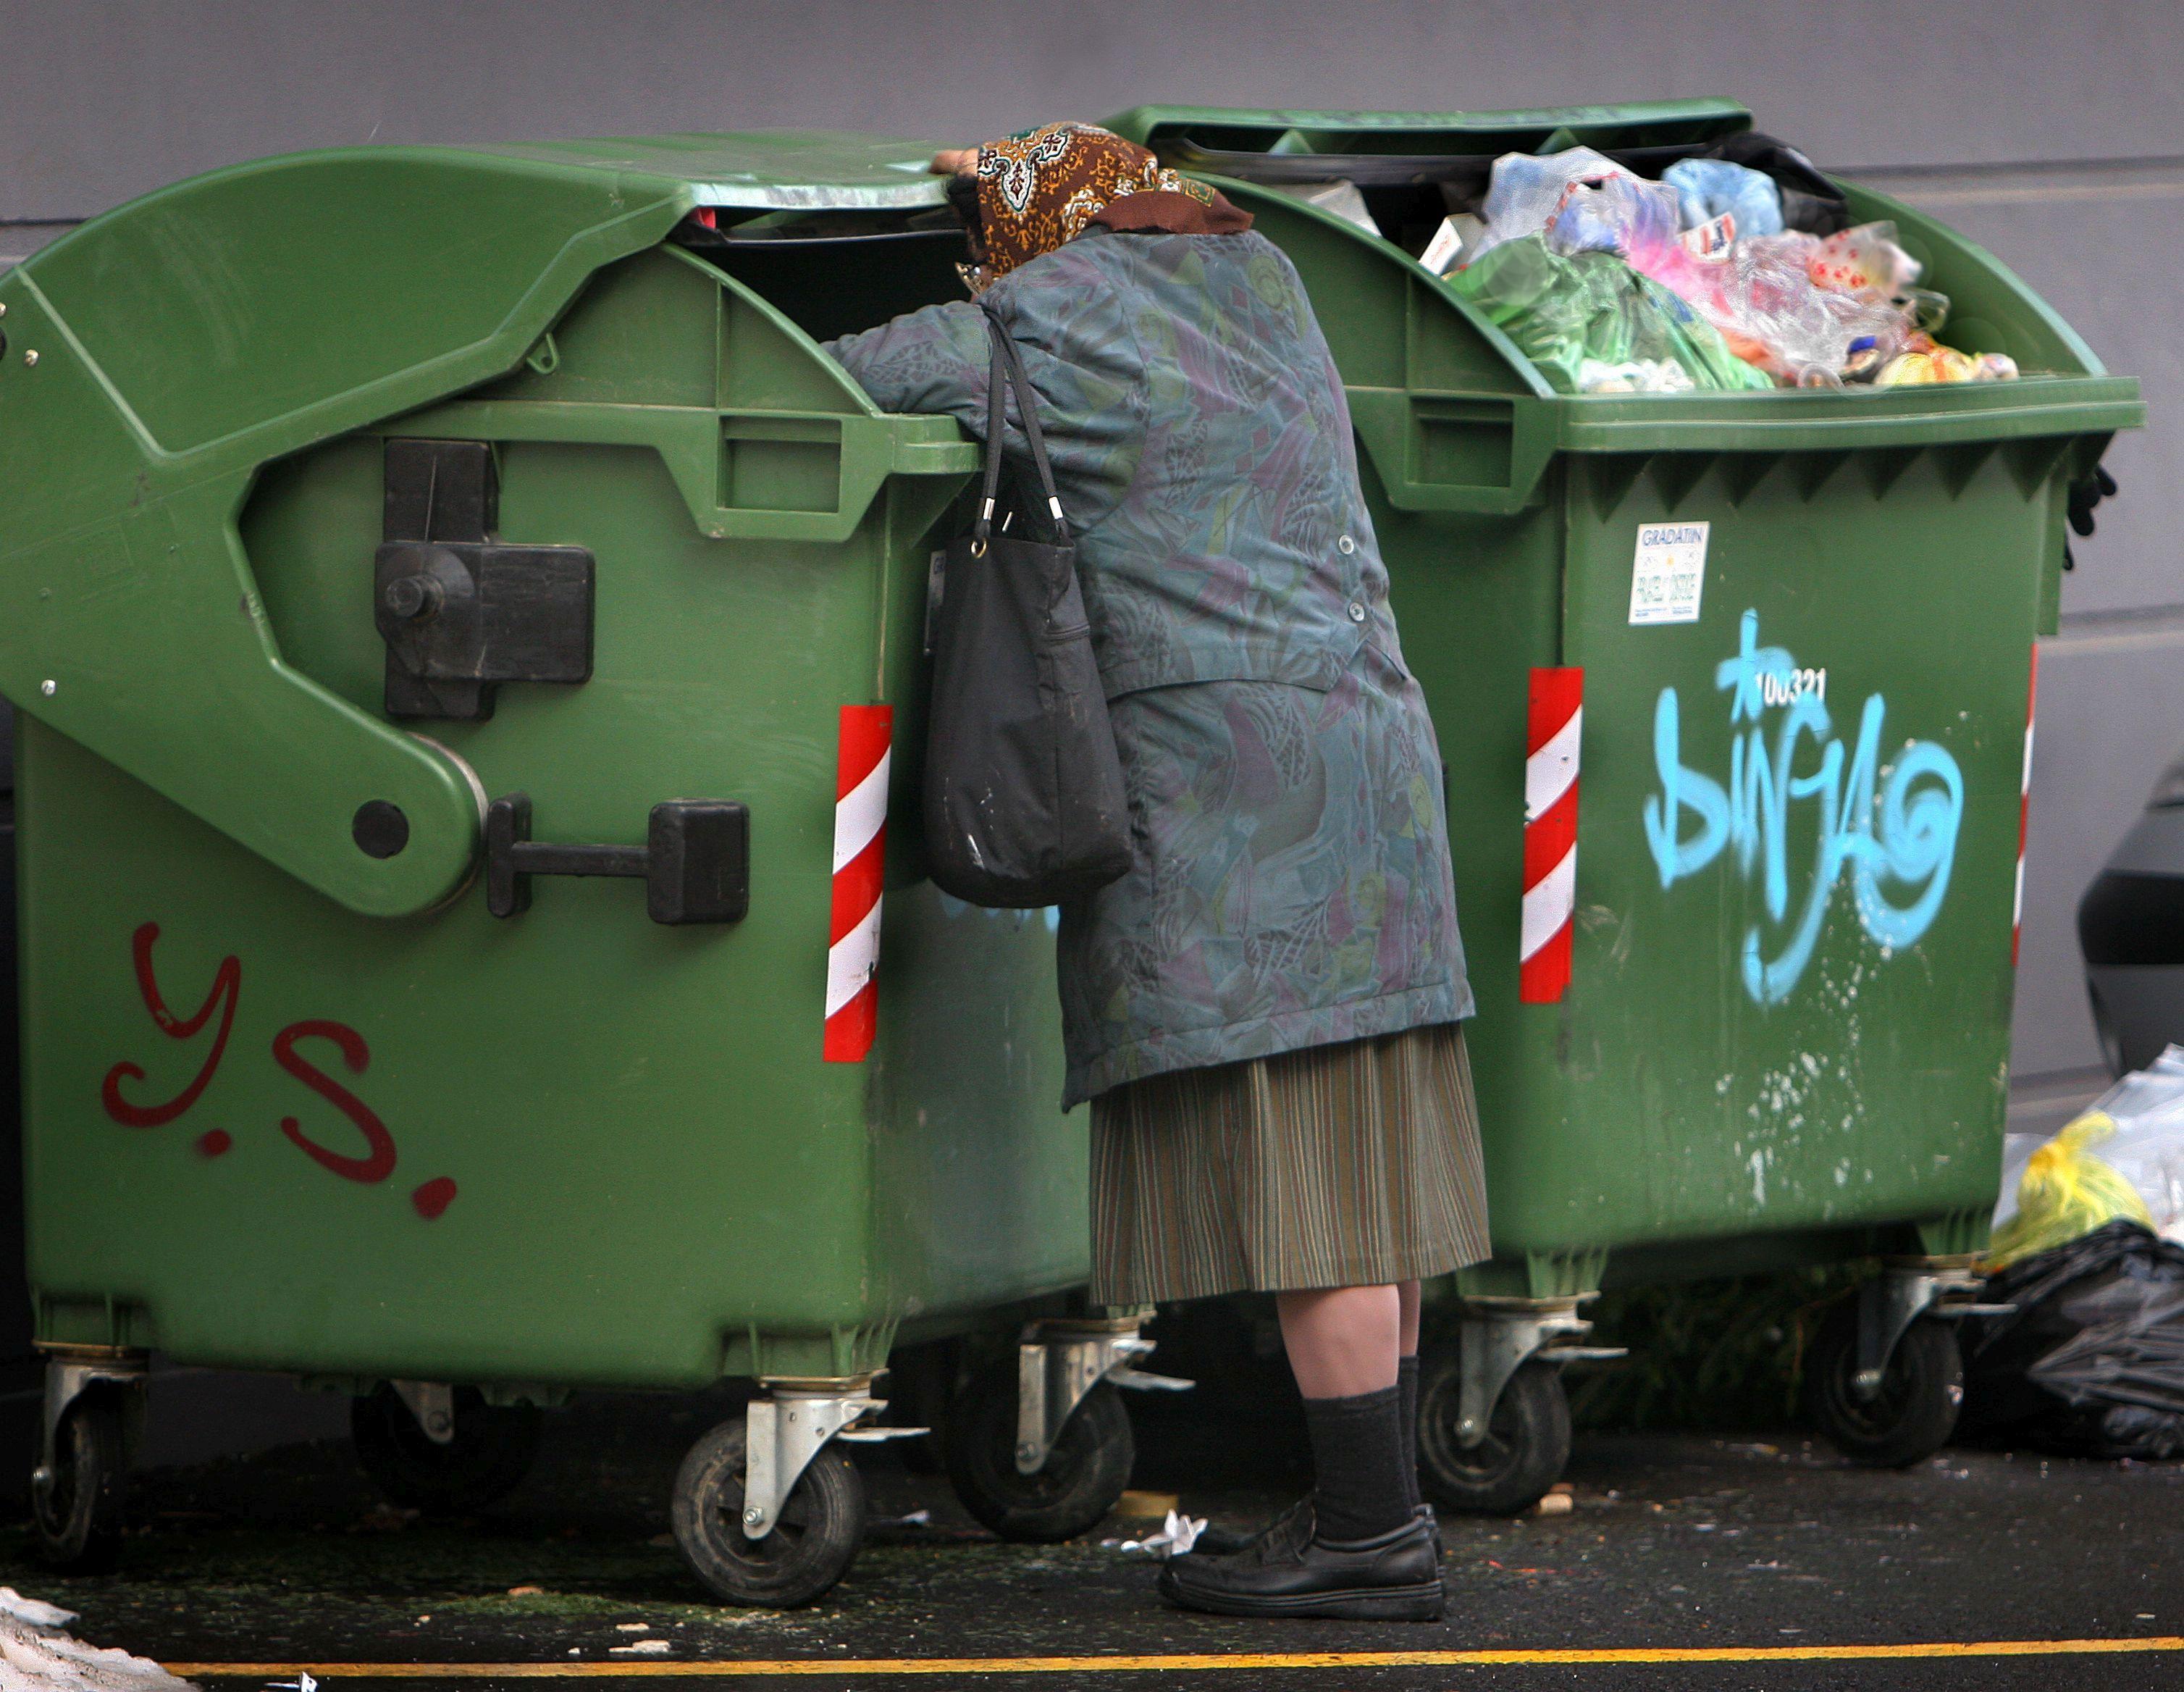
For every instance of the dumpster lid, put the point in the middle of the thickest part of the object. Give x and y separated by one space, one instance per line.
1387 148
775 170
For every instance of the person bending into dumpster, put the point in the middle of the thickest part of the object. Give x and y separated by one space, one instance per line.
1265 1010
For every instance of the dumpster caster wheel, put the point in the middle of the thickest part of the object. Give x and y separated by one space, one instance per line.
1914 1412
1527 1442
812 1543
1084 1475
492 1449
78 1507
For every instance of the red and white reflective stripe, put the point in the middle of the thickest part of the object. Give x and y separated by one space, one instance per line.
2023 810
1553 725
853 938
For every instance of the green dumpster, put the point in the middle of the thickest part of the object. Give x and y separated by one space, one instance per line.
1763 662
404 550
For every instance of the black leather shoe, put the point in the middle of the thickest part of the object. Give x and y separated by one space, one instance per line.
1394 1577
1221 1542
1224 1542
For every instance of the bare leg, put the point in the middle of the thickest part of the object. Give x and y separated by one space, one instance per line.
1342 1341
1407 1343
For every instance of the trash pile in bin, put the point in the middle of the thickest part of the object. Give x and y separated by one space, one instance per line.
1740 271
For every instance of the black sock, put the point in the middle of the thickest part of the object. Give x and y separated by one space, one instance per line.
1406 1381
1357 1450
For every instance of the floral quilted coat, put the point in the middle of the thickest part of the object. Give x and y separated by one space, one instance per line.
1289 881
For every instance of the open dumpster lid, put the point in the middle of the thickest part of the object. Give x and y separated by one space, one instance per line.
777 171
1387 148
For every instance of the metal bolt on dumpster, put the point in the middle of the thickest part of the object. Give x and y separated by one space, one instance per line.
1745 1002
402 547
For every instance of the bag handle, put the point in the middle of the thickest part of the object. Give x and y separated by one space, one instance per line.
1008 371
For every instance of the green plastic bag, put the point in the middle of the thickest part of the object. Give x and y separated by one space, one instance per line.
2065 1194
1593 325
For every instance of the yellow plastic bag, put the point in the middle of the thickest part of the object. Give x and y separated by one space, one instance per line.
2065 1194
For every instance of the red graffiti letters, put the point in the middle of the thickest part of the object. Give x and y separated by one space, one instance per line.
379 1162
430 1200
226 988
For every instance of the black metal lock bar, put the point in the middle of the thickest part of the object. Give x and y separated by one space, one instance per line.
460 612
695 861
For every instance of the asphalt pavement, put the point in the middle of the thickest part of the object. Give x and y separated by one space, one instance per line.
1685 1562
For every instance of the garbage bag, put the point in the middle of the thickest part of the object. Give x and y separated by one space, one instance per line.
2090 1360
1708 188
1592 324
2145 1114
1622 215
1526 190
2067 1191
1810 201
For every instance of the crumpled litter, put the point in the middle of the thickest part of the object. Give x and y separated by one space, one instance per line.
1176 1537
1341 197
1931 363
15 1607
642 1648
37 1656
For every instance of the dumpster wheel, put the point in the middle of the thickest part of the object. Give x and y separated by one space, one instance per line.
1083 1478
812 1545
1527 1442
490 1449
80 1506
1915 1410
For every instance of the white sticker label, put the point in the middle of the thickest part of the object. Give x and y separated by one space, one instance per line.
1668 574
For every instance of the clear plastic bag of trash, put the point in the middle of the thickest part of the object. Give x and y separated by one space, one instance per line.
1526 190
1760 293
2089 1360
2144 1144
2066 1191
1592 324
1618 214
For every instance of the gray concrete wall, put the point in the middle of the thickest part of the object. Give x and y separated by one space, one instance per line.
1943 104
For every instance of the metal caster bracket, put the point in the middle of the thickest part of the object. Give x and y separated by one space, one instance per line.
433 1403
785 1428
68 1376
1059 1363
1500 1336
1905 1290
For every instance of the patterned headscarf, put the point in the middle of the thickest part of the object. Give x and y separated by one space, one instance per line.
1047 185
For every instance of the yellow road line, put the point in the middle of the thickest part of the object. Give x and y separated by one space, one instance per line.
868 1666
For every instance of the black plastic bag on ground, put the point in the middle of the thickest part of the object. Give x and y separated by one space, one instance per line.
2091 1362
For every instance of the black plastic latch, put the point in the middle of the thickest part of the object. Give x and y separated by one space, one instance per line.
695 861
459 610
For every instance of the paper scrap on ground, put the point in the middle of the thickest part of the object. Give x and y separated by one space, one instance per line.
641 1648
1174 1539
40 1658
35 1611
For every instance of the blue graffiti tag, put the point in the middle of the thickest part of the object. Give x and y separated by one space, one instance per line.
1906 845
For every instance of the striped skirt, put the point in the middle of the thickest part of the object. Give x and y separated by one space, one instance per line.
1353 1165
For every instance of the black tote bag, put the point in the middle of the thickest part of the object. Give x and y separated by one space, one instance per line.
1023 788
